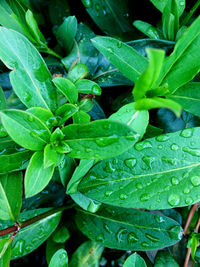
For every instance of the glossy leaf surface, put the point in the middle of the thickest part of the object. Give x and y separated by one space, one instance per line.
30 78
128 229
164 259
5 252
60 259
134 261
158 173
99 139
161 5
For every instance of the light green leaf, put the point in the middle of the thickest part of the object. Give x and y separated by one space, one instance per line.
122 56
36 176
5 252
10 196
32 236
78 72
45 115
61 235
148 78
188 97
134 261
158 102
87 255
99 139
66 33
2 99
128 229
25 129
50 156
67 88
30 77
160 5
66 169
137 120
147 29
88 87
66 111
51 248
158 173
60 259
81 117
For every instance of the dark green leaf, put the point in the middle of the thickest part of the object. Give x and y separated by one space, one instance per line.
134 261
61 235
129 229
147 29
158 173
58 10
99 139
25 129
88 87
36 176
164 259
2 99
60 259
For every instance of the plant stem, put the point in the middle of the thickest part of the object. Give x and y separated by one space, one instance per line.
190 13
189 218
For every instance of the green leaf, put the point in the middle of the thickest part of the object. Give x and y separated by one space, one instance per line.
87 255
122 56
32 236
61 235
81 117
25 129
78 72
183 60
147 29
137 120
66 33
5 252
66 169
128 229
50 156
99 139
60 259
30 77
148 78
164 259
88 87
45 115
52 247
158 173
86 104
63 147
188 97
86 203
134 261
112 16
65 112
158 102
2 99
10 196
67 88
36 176
12 160
160 5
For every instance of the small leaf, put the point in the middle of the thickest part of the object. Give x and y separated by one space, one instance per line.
134 261
10 196
25 129
147 29
61 235
63 147
160 5
36 176
66 169
99 139
52 247
81 117
60 259
50 156
128 229
88 87
66 111
164 259
67 88
78 72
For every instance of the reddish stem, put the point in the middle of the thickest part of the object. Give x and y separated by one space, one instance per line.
189 218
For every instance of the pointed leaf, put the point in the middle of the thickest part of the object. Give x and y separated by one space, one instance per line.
88 87
50 156
161 5
60 258
147 29
134 261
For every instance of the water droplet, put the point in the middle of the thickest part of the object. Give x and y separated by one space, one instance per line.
120 234
104 11
88 150
170 160
96 89
3 132
106 125
193 152
119 44
159 219
195 180
186 190
108 193
115 161
100 238
167 187
139 186
109 168
160 146
132 238
107 228
130 163
174 147
181 3
19 248
28 248
188 200
162 138
30 118
148 161
97 7
123 196
186 133
106 141
142 145
175 181
110 50
175 232
145 244
144 197
93 206
152 238
27 96
174 199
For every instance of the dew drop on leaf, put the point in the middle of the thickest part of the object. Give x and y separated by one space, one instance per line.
162 138
144 197
145 244
100 238
188 200
119 235
109 168
174 199
159 219
19 247
186 190
174 147
132 238
142 145
187 133
108 193
148 161
107 228
110 50
193 152
139 186
195 180
97 7
123 196
30 118
119 44
130 163
175 232
175 181
151 237
27 96
93 206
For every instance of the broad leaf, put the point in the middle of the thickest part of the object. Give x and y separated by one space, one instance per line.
124 57
134 261
188 97
60 258
158 173
36 176
87 255
10 196
129 229
25 129
30 78
32 236
99 139
5 252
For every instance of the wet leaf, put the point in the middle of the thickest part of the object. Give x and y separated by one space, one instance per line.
134 260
